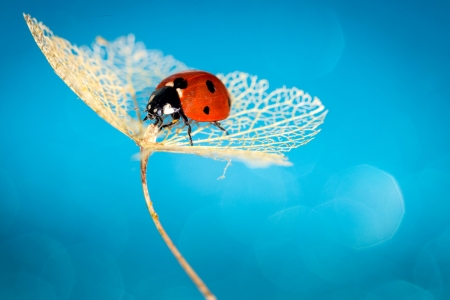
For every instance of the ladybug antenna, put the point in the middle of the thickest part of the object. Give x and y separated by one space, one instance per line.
138 109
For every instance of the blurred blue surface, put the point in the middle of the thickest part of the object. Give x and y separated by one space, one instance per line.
364 213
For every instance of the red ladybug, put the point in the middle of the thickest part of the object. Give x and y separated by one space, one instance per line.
195 95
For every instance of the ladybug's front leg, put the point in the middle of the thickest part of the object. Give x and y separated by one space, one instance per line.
186 122
159 120
175 119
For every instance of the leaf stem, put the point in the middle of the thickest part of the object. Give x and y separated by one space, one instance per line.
184 264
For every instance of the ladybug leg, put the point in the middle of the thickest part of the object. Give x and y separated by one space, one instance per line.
158 121
217 124
186 122
175 119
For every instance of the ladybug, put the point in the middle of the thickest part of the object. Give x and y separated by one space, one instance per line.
192 94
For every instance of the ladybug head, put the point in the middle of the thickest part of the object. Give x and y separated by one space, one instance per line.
163 101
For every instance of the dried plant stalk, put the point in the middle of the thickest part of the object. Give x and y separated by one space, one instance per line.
184 264
116 78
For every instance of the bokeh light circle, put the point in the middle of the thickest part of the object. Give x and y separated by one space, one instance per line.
367 206
247 201
95 270
399 290
279 254
202 238
40 258
9 201
432 269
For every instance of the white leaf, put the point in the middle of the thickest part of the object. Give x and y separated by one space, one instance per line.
116 78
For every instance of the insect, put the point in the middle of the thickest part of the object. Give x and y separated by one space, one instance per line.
192 94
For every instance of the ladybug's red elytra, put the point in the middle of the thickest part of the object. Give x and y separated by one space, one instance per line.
192 94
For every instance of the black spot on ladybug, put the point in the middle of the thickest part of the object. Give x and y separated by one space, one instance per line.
210 86
180 83
229 102
206 110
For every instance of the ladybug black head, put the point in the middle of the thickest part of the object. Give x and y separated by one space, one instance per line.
163 101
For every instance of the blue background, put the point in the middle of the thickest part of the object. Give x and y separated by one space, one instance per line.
362 214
